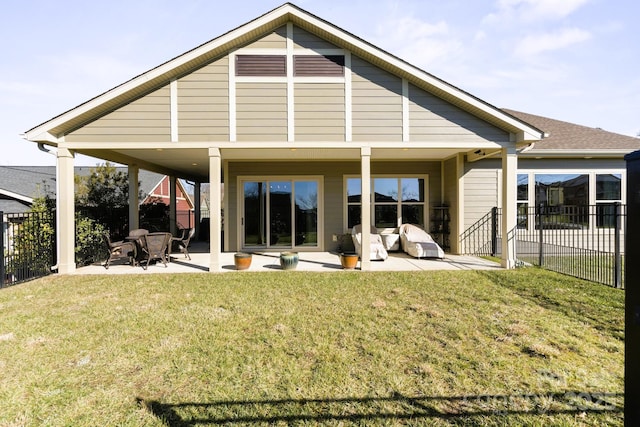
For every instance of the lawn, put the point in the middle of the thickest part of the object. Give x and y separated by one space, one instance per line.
524 347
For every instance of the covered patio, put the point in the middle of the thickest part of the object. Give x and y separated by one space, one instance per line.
309 261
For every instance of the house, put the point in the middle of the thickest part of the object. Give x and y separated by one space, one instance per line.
303 122
19 185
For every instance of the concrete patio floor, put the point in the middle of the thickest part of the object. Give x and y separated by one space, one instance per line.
309 261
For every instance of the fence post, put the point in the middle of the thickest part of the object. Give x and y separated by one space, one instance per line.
540 235
494 231
2 266
618 256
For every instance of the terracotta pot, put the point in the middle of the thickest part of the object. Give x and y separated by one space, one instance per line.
242 260
289 260
349 261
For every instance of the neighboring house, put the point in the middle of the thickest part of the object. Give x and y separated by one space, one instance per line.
311 129
19 185
157 189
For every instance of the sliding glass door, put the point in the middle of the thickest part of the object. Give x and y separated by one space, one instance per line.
280 213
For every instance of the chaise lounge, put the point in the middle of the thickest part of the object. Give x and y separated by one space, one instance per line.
418 243
376 251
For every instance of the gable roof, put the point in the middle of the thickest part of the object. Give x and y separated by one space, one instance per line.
570 139
49 132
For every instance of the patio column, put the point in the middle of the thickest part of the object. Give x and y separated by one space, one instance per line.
134 202
365 220
509 192
196 209
173 189
65 212
215 209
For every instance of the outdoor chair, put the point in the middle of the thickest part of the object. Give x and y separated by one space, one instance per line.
119 249
183 242
154 246
376 250
418 243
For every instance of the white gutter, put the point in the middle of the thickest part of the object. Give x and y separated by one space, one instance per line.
44 149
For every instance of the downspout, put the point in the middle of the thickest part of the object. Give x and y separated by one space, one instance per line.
44 149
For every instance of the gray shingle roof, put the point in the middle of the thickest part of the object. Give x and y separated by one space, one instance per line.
34 181
570 136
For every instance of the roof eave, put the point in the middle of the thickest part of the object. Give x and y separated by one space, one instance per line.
581 154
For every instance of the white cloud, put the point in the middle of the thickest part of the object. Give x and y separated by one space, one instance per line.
418 42
533 10
539 43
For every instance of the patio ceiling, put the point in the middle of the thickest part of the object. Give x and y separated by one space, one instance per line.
193 162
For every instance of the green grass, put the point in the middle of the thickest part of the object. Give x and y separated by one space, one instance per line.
525 347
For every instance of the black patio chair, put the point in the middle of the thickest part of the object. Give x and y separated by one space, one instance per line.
154 246
118 250
183 242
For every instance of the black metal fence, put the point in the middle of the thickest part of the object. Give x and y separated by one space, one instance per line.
581 241
27 246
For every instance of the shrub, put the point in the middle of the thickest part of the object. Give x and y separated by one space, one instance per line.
90 246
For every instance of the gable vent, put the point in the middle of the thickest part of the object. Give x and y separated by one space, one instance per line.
261 65
318 65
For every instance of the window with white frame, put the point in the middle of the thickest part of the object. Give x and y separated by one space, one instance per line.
523 200
608 193
570 196
395 201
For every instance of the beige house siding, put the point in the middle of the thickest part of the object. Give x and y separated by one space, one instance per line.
481 184
431 118
147 119
203 103
305 40
274 40
377 103
334 174
261 111
319 112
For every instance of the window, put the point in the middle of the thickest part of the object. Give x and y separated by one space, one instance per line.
261 65
395 201
564 199
567 200
523 201
318 65
280 213
608 192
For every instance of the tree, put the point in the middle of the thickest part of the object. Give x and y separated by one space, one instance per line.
105 186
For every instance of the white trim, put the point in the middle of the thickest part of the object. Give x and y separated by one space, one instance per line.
16 196
319 179
405 110
319 79
318 52
262 79
233 129
225 202
280 51
348 98
291 117
173 86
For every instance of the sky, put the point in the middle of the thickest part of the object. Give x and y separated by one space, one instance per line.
571 60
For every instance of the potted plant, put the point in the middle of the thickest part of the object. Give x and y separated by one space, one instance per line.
289 260
349 260
242 260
